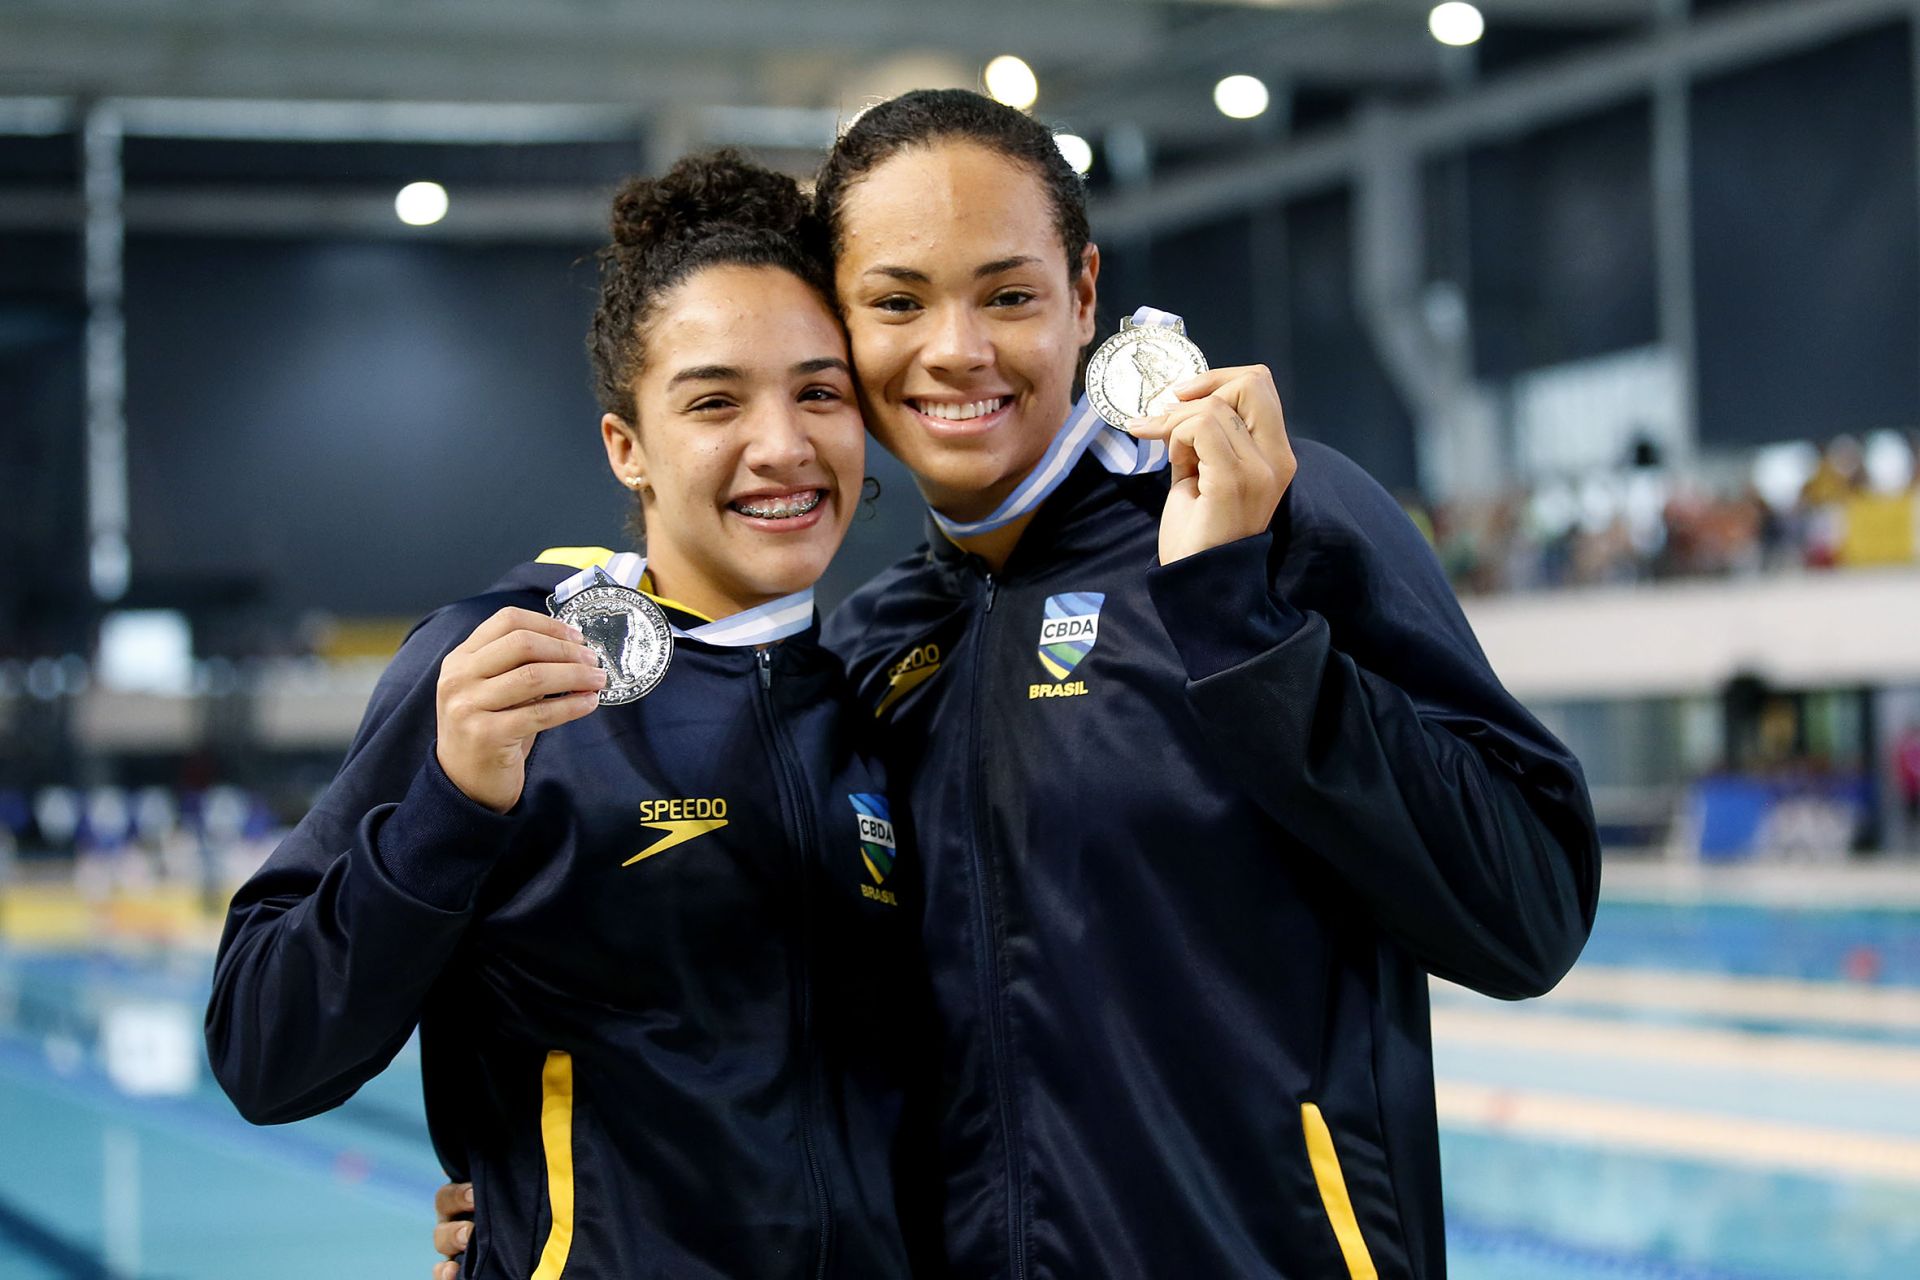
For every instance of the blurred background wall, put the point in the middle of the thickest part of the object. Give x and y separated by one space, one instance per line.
1621 298
1620 292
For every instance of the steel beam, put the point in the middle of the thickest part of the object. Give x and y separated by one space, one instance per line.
1514 105
1673 234
695 52
569 216
109 561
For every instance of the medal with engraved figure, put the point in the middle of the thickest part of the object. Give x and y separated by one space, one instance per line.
628 631
1134 372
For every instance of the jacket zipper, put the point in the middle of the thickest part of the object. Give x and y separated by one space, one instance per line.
794 778
990 970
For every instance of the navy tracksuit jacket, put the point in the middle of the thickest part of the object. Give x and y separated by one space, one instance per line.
1193 837
683 1065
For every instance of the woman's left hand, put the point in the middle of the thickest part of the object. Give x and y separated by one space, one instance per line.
1230 458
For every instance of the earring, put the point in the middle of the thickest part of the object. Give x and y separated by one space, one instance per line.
634 482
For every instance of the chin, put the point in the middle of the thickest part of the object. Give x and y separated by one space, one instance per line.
966 479
795 569
962 469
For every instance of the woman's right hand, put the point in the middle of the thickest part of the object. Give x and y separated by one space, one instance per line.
518 673
453 1206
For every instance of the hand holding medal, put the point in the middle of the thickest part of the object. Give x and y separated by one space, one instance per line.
519 673
1226 433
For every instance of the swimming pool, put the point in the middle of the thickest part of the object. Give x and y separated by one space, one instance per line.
1719 1093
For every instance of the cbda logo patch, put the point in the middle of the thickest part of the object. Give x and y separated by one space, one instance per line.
877 847
1069 628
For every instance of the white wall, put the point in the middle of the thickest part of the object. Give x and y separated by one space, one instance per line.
1807 630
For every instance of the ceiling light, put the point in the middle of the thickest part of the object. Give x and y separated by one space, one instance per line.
1012 81
1077 150
421 204
1242 97
1456 23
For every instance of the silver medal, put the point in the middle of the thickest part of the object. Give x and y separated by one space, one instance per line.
1133 373
628 631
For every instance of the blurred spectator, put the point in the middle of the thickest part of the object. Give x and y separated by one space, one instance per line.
1906 772
1795 507
1841 474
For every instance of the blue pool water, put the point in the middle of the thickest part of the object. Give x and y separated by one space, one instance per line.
1822 945
94 1183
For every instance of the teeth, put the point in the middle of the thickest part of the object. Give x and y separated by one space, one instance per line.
961 412
797 504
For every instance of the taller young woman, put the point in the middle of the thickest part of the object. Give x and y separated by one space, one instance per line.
659 950
1191 858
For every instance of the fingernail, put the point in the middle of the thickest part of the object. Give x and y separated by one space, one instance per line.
469 1197
466 1233
1180 388
578 635
599 679
1132 425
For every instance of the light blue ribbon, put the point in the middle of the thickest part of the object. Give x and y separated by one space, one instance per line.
762 624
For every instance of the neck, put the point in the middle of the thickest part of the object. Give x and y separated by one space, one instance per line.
1063 451
997 546
676 586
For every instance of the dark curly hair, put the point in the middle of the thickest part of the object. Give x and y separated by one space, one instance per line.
927 116
715 209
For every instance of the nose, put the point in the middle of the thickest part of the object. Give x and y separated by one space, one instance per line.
959 343
780 440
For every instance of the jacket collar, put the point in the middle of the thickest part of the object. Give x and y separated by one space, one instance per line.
1084 514
544 577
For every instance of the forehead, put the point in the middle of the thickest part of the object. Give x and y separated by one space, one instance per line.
749 318
952 205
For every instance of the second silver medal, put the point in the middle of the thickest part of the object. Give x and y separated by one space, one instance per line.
1133 372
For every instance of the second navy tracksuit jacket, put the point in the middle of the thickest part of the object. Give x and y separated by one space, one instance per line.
1193 838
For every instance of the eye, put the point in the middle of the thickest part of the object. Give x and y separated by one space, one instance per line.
710 404
897 302
1012 298
822 395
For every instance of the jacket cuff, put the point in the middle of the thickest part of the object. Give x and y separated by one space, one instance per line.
1217 607
437 844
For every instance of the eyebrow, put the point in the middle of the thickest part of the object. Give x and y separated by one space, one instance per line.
998 265
727 373
705 373
980 272
821 364
900 273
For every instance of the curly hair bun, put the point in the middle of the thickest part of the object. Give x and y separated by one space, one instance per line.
700 195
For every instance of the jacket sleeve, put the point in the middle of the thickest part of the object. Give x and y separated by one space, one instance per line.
330 949
1346 694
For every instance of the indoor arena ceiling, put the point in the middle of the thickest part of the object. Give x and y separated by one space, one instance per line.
756 67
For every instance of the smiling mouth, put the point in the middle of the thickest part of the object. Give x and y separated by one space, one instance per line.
789 506
973 409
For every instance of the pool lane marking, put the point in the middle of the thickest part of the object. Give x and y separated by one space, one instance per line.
1729 996
1629 1126
1467 1235
1587 1038
1799 888
211 1126
64 1257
